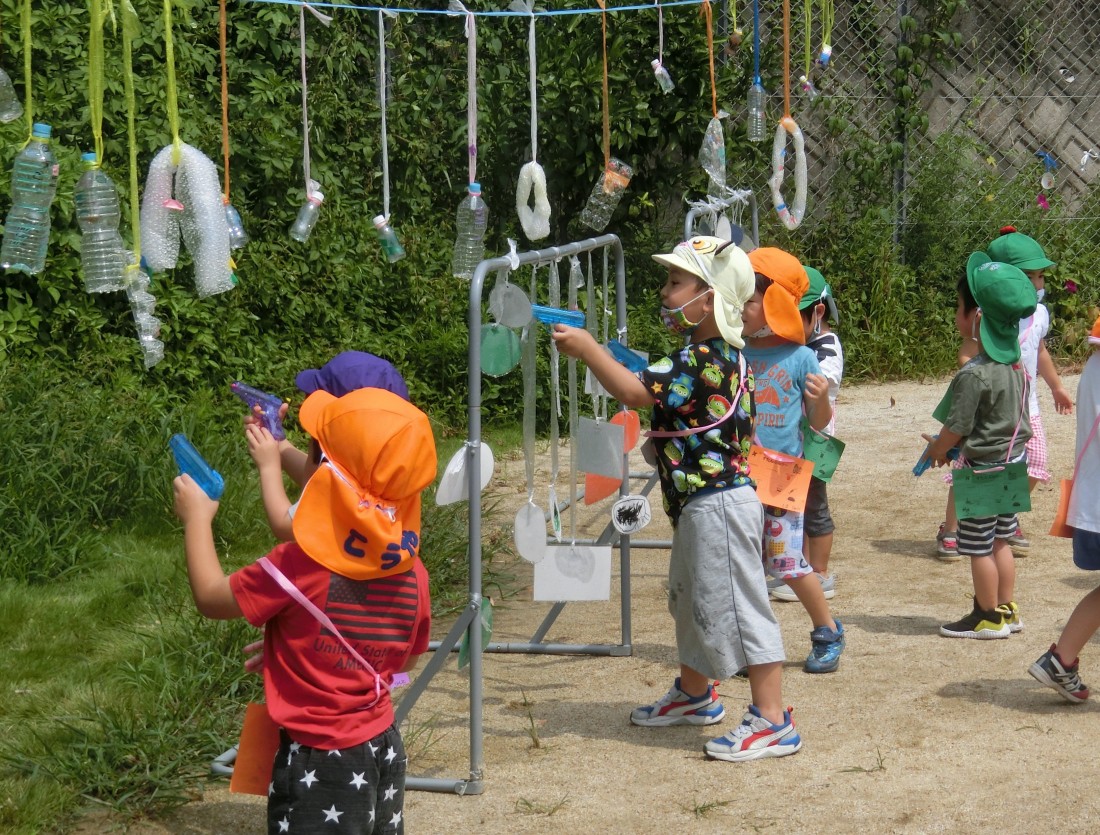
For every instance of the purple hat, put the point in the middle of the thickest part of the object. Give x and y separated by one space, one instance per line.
352 370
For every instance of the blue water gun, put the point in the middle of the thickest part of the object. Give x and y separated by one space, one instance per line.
269 407
551 316
190 462
624 356
924 462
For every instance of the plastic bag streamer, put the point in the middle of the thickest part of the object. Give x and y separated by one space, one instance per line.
382 84
311 184
534 220
471 84
790 216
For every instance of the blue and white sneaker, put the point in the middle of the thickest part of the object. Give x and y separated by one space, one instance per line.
826 648
678 708
755 738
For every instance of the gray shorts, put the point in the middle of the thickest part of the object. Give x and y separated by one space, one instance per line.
717 593
818 520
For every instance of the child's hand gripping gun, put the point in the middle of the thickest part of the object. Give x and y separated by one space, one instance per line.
269 407
924 462
551 316
190 462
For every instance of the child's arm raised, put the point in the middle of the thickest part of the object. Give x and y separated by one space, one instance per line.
209 585
816 396
1063 403
265 451
620 382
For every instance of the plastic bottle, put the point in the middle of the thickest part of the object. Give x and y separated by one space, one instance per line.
10 108
238 237
103 256
712 156
606 195
822 59
471 223
33 185
307 216
757 116
664 80
388 238
807 87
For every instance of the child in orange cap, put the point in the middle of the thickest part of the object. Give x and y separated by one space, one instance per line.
789 383
1057 667
350 587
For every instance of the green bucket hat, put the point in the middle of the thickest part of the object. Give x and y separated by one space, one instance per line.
819 291
1019 250
1005 296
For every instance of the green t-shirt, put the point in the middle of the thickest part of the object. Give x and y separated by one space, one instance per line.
988 400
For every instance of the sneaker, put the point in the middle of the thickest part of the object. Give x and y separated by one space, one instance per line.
1050 670
755 738
678 708
826 648
947 545
786 593
978 624
1018 540
1012 617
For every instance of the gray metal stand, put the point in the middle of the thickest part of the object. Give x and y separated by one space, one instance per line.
468 620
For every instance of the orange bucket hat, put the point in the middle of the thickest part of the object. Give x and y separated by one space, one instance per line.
359 514
789 285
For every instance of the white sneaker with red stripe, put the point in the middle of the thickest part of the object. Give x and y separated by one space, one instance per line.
756 738
678 708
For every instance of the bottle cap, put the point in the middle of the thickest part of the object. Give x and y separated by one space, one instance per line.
316 197
41 130
380 221
656 64
89 158
474 188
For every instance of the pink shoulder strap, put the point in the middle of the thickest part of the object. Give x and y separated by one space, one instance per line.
657 433
291 589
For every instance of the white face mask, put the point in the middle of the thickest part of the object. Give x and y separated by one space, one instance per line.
764 331
1042 291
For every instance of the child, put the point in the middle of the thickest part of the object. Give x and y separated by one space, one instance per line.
702 401
985 408
1084 518
816 307
1025 253
789 382
354 557
341 375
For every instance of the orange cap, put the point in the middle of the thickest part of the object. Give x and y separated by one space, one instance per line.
789 285
359 514
1094 334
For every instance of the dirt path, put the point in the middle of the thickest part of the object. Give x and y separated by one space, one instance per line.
914 733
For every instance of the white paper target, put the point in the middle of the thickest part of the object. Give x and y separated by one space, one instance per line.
454 486
630 514
530 533
574 572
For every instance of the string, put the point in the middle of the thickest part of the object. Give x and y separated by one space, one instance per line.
95 76
707 13
129 33
471 93
606 103
25 26
170 92
532 73
305 98
660 33
807 17
786 58
828 13
382 102
225 95
732 5
497 13
755 41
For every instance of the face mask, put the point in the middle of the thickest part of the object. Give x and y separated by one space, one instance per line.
1040 293
674 319
764 331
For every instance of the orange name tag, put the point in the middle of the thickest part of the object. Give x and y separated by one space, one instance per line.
781 480
256 752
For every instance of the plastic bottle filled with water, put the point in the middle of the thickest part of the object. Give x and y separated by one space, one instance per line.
307 216
664 80
103 255
238 237
757 116
472 222
33 185
388 238
606 195
10 108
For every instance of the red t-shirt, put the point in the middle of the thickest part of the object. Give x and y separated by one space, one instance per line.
314 687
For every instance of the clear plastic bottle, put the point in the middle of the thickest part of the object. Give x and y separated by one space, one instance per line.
606 195
664 80
307 216
388 238
103 255
10 108
472 222
822 59
807 87
757 116
712 156
238 237
33 186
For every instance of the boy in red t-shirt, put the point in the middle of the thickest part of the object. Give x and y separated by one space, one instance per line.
355 558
